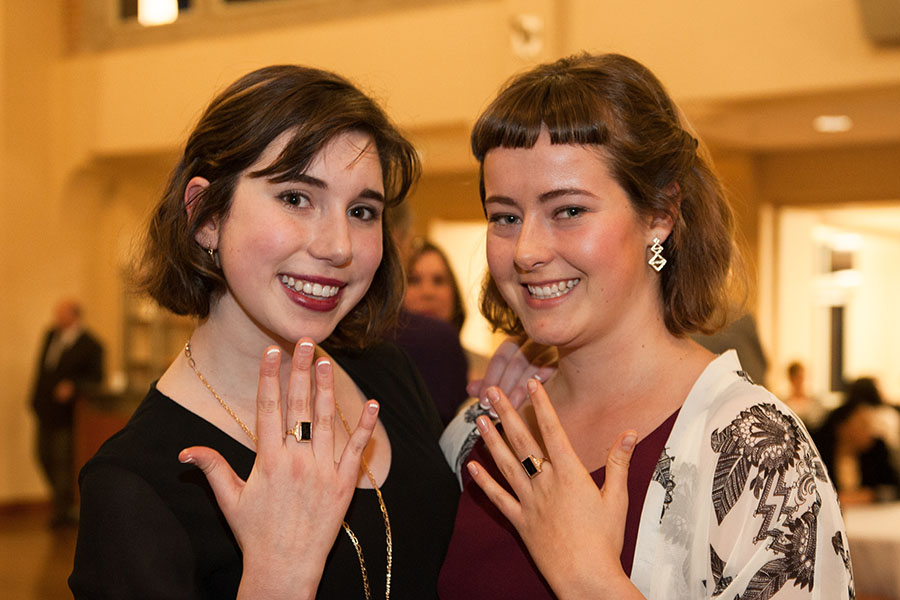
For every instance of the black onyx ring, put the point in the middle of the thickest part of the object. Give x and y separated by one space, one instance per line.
302 431
532 465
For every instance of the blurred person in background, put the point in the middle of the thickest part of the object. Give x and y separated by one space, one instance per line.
70 366
432 290
807 407
853 447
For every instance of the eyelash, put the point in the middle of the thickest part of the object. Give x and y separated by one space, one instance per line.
293 198
372 213
565 211
500 219
297 199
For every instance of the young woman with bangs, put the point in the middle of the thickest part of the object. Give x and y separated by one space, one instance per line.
646 466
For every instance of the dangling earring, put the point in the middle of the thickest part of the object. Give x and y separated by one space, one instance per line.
212 253
657 261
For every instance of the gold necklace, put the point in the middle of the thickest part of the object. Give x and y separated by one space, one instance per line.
364 465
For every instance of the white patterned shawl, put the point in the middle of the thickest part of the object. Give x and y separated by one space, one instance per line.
740 506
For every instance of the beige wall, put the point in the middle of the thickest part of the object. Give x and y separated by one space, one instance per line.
85 136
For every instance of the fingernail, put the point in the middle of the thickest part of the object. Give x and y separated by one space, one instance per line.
493 413
186 459
628 441
272 351
306 346
323 366
372 407
473 469
538 377
493 396
482 423
532 385
484 403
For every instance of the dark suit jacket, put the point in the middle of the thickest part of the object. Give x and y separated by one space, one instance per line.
82 363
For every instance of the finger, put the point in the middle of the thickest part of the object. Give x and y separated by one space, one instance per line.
615 488
474 388
496 366
323 410
348 469
618 462
552 433
269 422
503 500
508 460
517 433
298 393
225 483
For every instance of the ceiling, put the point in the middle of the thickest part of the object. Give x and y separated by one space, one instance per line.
785 123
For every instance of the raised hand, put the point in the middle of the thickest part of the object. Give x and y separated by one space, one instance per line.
573 530
515 361
287 514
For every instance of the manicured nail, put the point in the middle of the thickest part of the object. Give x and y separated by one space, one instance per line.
493 413
628 441
532 385
372 407
538 377
305 346
473 469
323 366
272 351
484 403
186 459
482 423
493 396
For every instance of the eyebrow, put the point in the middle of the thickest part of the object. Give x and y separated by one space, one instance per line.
367 193
545 197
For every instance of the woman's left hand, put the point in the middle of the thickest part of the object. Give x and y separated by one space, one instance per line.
573 530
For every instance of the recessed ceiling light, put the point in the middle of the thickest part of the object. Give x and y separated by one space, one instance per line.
832 123
157 12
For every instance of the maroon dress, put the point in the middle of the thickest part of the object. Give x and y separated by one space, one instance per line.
488 559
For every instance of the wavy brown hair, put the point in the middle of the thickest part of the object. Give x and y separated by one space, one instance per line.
614 103
235 129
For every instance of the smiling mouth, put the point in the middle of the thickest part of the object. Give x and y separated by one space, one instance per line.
546 292
308 288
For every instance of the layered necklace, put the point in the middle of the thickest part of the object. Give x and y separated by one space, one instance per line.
364 465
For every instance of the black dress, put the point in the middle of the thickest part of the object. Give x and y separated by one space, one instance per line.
151 528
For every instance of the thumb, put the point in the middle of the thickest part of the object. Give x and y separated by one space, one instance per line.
617 462
225 483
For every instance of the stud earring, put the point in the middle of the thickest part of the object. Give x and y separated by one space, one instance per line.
657 261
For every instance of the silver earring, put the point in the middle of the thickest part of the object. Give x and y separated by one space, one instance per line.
657 261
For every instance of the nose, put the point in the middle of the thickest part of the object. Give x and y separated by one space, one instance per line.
532 245
331 241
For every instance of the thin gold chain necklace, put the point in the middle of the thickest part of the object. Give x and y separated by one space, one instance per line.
364 464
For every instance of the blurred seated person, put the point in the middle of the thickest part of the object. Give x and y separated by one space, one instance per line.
807 407
432 290
858 460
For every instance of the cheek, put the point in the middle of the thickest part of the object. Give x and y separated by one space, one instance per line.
500 253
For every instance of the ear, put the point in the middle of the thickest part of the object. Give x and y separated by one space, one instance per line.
207 233
661 226
661 223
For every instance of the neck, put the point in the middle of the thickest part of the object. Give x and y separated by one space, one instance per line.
612 375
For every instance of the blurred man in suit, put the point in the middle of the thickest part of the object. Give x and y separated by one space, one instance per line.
71 364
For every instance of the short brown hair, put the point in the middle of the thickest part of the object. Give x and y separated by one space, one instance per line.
615 103
235 129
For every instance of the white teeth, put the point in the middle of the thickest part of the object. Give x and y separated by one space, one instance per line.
552 291
310 289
